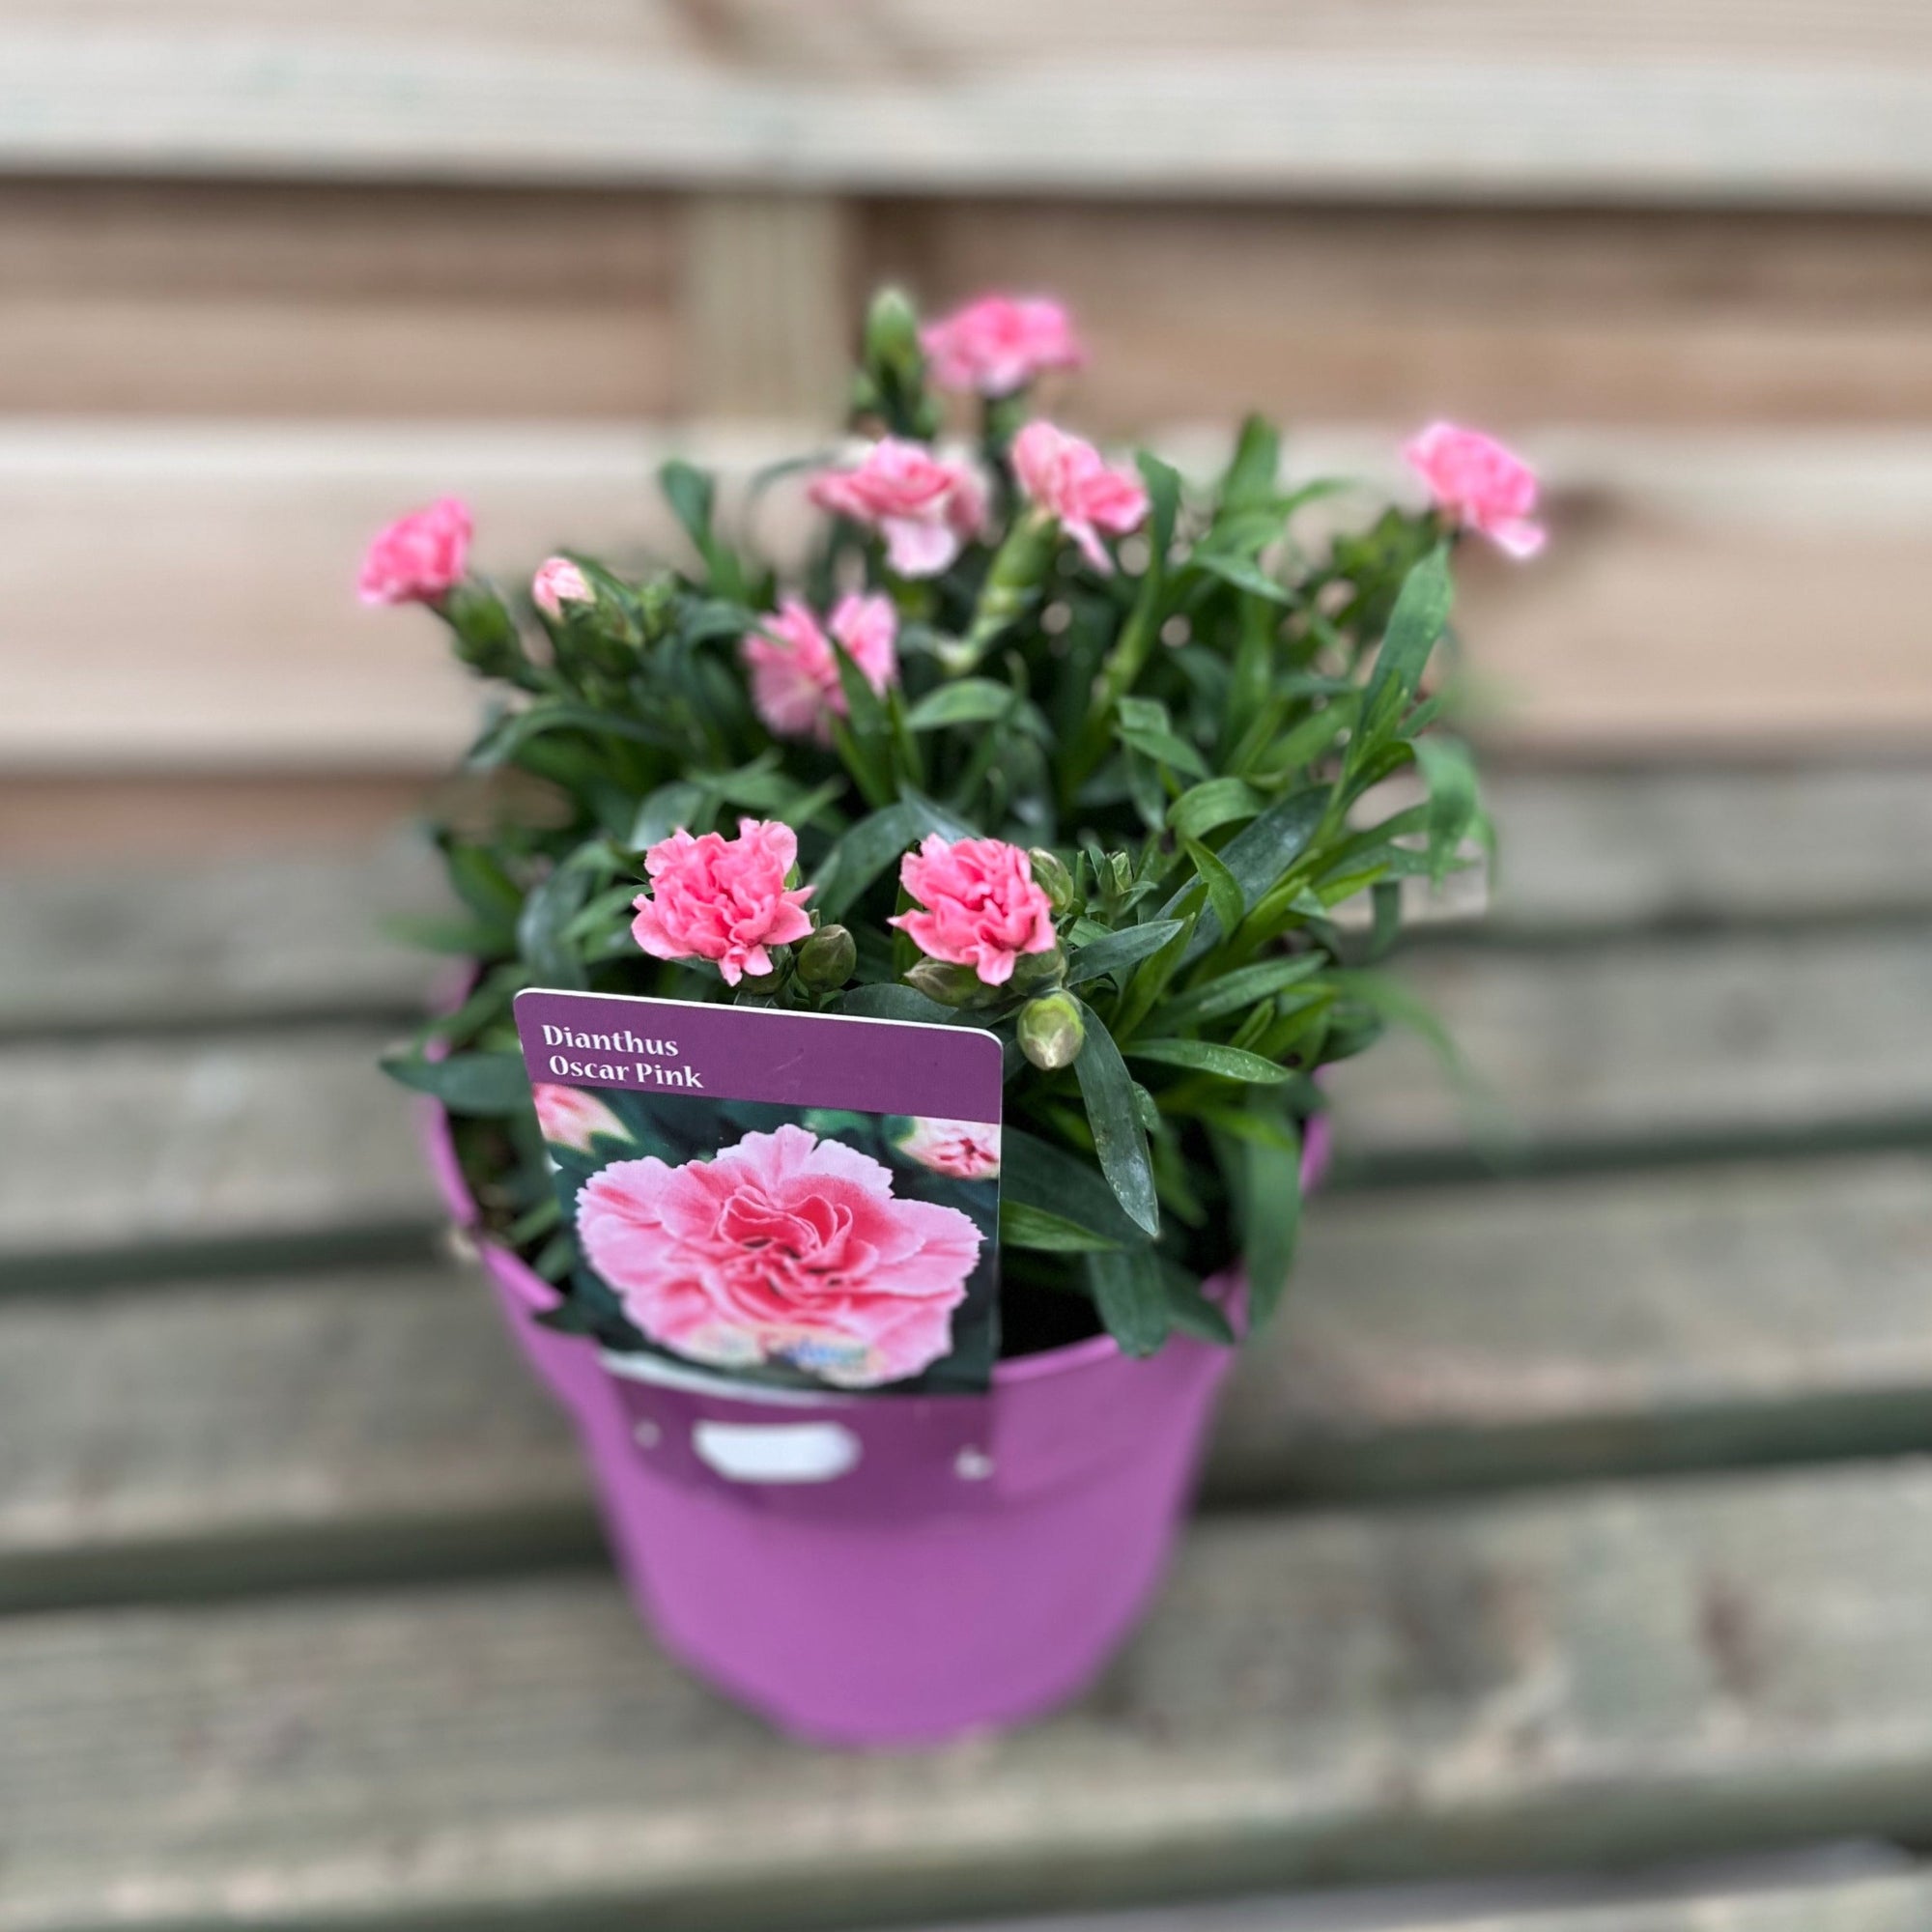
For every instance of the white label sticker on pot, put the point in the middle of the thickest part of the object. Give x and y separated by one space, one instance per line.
779 1452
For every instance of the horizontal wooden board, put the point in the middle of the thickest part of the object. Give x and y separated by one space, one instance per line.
301 934
313 301
116 942
1477 99
152 1147
1679 608
1517 318
1650 1046
1754 1896
1636 1050
377 1422
1611 1675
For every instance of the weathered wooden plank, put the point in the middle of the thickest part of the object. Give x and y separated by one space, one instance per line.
377 1423
1776 1900
1642 1049
1584 853
226 301
1515 318
221 943
1604 108
239 299
159 1147
253 656
311 1428
1612 1675
1654 1047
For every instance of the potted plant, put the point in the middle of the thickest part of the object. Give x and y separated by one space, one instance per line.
1066 750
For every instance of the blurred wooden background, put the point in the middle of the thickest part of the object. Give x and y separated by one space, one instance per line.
270 274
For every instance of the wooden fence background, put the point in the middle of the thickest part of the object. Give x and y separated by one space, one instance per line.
270 274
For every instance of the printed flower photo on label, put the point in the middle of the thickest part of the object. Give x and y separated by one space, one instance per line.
799 1247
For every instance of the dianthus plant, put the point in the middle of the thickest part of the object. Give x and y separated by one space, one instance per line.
1034 740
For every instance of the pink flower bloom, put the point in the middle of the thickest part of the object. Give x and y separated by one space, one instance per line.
794 675
966 1149
571 1118
559 582
999 344
1068 478
782 1248
925 507
723 898
419 557
1477 482
982 907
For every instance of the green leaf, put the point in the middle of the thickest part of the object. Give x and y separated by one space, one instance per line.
1269 1203
1224 890
1163 488
1250 481
1118 951
1244 573
1450 774
688 491
1191 1312
888 1000
549 909
1112 1112
666 810
1240 988
1207 1056
556 714
466 1083
1164 748
1022 1226
1131 1296
1259 854
966 700
1037 1174
1208 806
862 854
1419 618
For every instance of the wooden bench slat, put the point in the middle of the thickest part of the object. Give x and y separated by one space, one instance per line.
200 1437
1773 1900
1614 1675
1583 852
1605 111
1651 1047
246 940
1725 1043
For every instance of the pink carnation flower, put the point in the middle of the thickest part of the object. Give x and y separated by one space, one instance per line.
925 507
419 557
559 582
794 675
1477 482
723 900
1068 478
965 1150
571 1118
999 344
982 907
783 1248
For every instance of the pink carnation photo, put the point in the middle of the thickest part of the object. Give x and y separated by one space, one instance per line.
841 1250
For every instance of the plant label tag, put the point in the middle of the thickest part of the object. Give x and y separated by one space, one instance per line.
780 1200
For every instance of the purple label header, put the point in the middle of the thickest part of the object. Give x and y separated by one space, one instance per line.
757 1053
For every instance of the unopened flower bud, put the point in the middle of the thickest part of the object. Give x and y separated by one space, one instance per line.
557 583
892 339
948 985
827 958
1033 971
1050 1032
1051 876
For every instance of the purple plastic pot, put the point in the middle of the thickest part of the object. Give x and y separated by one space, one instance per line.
882 1572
